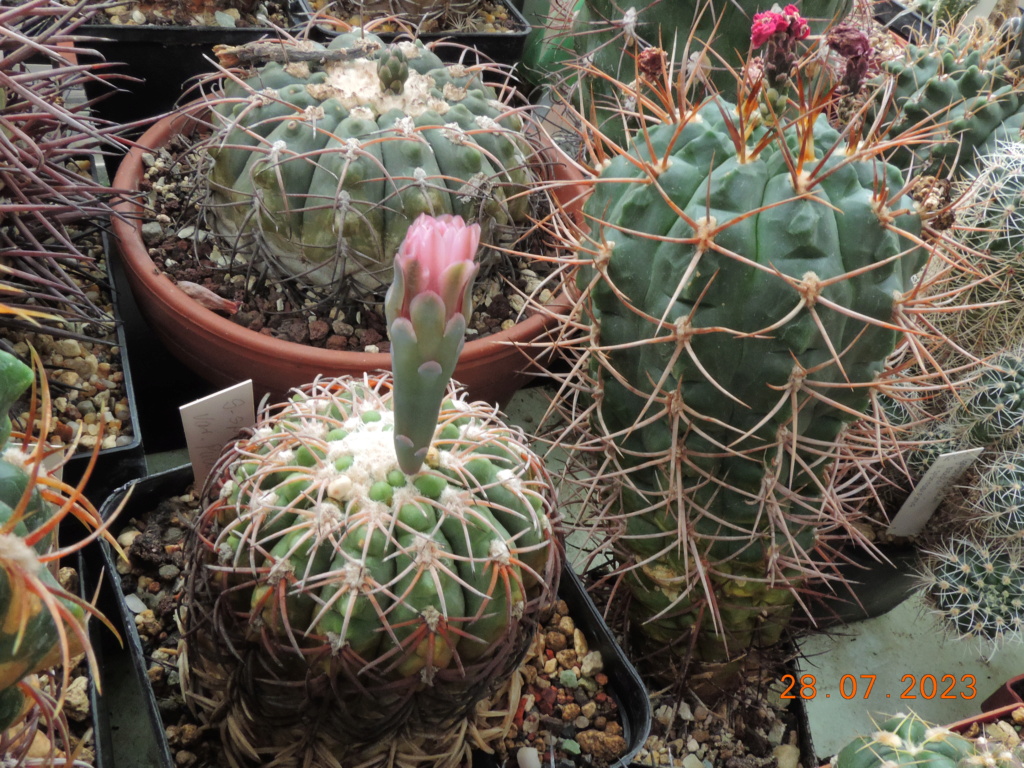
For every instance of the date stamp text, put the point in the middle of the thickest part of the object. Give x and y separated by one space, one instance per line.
860 686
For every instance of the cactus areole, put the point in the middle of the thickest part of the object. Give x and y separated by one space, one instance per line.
740 295
319 167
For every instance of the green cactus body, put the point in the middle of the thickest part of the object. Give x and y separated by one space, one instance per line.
958 90
905 741
368 601
714 277
319 169
993 407
608 36
977 588
930 441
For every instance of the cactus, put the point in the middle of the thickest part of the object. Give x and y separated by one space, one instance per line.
356 584
48 204
743 282
992 408
977 587
608 40
44 625
907 740
956 95
320 163
1000 495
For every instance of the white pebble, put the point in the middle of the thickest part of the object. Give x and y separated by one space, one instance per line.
528 757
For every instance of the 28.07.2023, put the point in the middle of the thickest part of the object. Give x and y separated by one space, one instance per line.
859 686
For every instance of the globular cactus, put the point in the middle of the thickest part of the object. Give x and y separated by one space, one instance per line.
999 501
321 162
926 443
990 216
992 408
907 740
977 587
956 95
358 584
607 40
741 286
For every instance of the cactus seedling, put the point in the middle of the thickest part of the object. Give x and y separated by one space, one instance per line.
374 557
907 740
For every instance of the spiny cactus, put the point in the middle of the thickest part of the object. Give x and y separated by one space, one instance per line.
359 583
43 624
990 215
48 202
320 162
957 94
992 408
423 15
1000 495
977 587
907 740
741 287
606 77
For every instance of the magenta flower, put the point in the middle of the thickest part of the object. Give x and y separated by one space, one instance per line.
788 22
766 24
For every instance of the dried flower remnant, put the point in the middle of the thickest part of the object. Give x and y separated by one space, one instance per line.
854 46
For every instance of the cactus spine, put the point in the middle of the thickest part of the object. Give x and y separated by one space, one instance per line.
907 740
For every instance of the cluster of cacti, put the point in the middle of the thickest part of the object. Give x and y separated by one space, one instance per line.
359 582
742 283
955 95
907 740
48 201
603 73
321 161
43 624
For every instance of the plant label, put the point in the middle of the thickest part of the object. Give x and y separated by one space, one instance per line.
930 490
212 422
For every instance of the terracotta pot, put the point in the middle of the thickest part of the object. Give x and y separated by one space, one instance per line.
991 716
223 353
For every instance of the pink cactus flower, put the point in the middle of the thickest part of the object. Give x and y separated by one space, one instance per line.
766 24
434 258
787 21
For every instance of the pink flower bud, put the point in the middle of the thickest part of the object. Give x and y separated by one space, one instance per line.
437 256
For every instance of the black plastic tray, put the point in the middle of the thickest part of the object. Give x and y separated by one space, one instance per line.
165 58
114 466
499 47
125 683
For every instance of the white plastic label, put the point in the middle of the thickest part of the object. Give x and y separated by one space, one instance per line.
212 422
930 490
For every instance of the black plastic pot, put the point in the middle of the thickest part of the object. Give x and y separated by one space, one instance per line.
908 24
138 731
164 58
872 587
499 47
